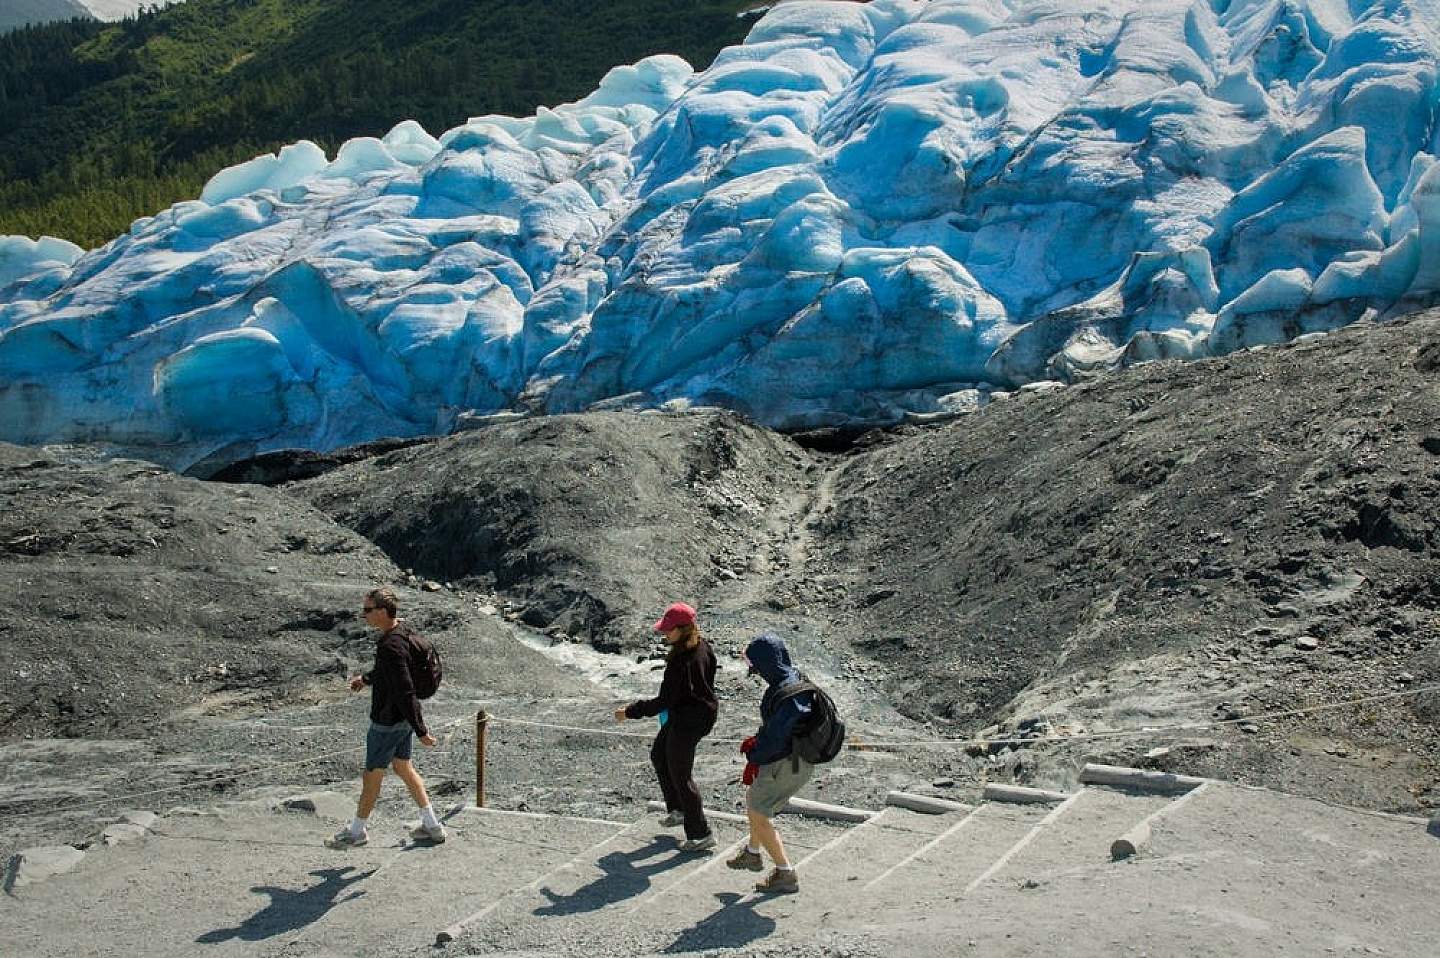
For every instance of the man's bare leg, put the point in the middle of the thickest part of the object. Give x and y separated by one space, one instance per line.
406 770
369 791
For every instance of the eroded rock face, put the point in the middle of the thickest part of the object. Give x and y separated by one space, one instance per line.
1258 527
593 522
864 212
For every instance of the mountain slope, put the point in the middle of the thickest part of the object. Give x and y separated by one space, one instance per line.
120 9
148 108
18 13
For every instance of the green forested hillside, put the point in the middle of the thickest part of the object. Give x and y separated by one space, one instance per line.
101 123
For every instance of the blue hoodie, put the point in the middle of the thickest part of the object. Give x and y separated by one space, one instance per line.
769 657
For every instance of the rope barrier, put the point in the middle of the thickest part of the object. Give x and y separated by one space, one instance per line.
211 782
852 745
1035 740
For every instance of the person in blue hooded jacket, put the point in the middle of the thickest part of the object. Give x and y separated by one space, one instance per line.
774 772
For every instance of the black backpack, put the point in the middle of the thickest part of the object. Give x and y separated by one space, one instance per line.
822 734
425 669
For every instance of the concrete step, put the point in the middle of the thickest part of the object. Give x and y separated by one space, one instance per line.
259 883
833 878
1076 836
1264 861
1229 871
942 868
642 895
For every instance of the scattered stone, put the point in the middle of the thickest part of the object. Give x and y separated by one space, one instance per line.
1307 643
1155 754
431 586
121 834
1249 728
943 783
35 865
273 569
488 609
331 805
145 820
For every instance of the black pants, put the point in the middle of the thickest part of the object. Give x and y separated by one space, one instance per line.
673 756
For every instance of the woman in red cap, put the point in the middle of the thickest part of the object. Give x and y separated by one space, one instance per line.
687 708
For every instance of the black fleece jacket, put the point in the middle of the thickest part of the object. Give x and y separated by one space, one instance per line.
687 691
392 687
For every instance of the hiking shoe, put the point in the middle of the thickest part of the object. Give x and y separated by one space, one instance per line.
746 860
672 819
702 844
779 883
431 836
345 838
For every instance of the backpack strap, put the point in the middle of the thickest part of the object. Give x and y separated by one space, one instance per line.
794 689
797 689
790 692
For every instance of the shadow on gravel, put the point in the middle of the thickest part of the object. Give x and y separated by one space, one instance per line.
292 910
623 879
729 927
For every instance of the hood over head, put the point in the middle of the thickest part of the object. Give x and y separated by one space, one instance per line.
769 657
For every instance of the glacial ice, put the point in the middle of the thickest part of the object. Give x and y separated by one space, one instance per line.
864 212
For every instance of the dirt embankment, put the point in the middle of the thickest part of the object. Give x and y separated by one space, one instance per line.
137 597
589 523
1267 522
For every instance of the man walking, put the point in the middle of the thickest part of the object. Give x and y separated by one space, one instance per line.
394 716
774 771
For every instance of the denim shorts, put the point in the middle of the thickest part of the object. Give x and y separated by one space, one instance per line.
385 743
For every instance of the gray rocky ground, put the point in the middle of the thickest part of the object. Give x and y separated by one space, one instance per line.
1173 545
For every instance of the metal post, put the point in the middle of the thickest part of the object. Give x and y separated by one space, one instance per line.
482 722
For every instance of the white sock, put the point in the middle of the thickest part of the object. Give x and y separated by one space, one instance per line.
427 817
784 868
357 826
753 851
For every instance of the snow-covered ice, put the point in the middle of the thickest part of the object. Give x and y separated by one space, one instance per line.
865 211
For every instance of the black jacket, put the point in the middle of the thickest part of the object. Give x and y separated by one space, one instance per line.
687 691
392 689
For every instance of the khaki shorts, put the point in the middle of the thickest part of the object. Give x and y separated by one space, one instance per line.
776 784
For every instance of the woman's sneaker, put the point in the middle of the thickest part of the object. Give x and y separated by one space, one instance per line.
345 838
779 883
672 819
702 844
746 860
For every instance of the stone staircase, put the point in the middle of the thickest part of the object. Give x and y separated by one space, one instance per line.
1223 870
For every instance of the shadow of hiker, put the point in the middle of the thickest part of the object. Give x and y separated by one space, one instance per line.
727 927
292 910
622 879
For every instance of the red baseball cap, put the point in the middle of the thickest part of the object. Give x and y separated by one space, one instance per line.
676 615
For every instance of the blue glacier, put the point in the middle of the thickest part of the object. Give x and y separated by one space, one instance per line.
864 213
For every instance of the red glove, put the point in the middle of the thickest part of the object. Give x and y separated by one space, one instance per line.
747 745
747 777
